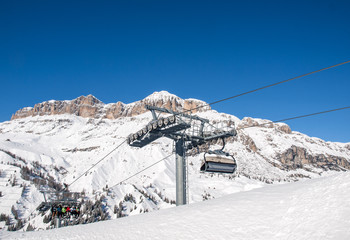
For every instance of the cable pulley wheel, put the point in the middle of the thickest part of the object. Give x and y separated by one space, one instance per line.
160 122
166 121
172 119
145 130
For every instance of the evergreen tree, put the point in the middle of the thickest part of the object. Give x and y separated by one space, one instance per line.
30 228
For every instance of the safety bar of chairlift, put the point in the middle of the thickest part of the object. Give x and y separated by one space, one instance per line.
218 167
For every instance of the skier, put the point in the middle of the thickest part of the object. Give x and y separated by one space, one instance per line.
59 210
64 211
53 210
68 210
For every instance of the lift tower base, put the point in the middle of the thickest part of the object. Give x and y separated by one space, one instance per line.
180 172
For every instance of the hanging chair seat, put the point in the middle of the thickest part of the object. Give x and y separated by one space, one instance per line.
218 164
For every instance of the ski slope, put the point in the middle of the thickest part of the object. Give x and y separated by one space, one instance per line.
309 209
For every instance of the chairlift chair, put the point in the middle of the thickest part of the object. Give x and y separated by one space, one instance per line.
56 198
218 161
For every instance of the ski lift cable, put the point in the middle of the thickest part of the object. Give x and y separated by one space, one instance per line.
281 120
232 97
261 88
264 87
96 163
163 159
301 116
218 101
291 118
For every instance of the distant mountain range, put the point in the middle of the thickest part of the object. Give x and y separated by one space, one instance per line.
54 142
90 107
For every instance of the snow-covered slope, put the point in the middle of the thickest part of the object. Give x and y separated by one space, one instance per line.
55 149
312 209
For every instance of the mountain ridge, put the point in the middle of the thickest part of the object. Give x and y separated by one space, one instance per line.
91 107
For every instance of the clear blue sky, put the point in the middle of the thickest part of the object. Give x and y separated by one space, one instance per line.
125 50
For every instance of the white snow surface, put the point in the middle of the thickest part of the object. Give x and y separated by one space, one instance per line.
310 209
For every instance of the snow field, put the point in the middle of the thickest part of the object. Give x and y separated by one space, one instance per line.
311 209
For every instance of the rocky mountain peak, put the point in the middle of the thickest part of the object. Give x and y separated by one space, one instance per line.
91 107
162 95
87 100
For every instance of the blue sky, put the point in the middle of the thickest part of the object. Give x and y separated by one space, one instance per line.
125 50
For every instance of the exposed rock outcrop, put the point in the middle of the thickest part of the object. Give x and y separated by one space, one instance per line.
88 106
347 146
296 157
249 122
248 142
283 128
91 107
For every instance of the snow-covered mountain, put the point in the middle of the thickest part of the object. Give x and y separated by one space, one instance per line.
308 210
56 141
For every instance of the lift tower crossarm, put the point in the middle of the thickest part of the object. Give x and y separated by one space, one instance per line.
221 135
164 110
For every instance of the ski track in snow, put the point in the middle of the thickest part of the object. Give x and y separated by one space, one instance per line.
310 209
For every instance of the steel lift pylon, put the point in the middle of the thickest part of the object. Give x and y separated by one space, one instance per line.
187 131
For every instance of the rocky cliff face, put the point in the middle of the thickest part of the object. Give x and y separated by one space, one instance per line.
90 107
297 157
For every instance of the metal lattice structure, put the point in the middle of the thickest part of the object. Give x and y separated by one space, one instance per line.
188 131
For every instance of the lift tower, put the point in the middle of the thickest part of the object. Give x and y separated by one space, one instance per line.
188 131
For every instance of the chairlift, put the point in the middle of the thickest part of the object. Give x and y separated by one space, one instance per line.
59 198
218 161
